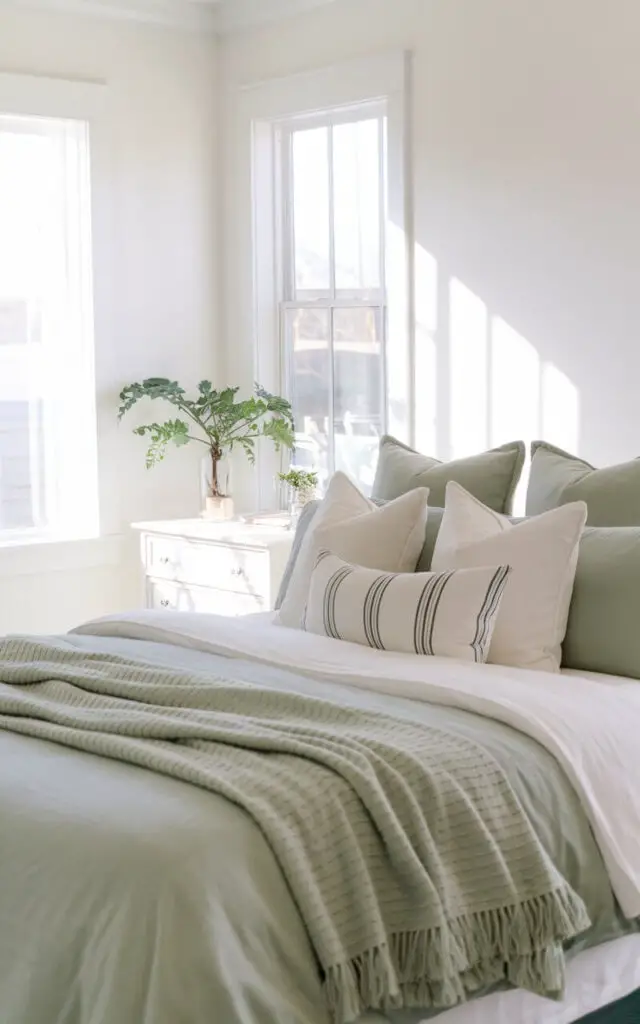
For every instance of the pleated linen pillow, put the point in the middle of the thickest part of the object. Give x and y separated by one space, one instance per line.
448 614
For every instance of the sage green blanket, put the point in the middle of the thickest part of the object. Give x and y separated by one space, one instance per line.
416 872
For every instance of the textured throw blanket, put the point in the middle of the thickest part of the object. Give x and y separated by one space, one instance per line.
416 872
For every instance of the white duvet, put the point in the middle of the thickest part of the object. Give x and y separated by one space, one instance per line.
590 723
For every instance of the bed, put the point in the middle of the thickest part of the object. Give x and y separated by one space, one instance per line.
131 897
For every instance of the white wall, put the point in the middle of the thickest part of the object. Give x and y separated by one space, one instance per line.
154 230
527 207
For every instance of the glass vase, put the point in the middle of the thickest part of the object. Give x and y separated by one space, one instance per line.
216 506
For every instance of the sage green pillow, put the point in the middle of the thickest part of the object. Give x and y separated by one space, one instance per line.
491 476
603 632
612 494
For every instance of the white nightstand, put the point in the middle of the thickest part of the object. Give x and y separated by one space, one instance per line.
229 568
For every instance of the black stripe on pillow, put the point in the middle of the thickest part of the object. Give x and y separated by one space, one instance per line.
371 611
494 593
425 618
329 602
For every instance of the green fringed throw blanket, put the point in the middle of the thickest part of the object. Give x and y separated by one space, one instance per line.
416 872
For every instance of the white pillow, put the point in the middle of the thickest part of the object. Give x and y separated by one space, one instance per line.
449 614
542 551
389 538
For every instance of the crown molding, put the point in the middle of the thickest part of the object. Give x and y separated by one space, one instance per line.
186 15
235 15
222 16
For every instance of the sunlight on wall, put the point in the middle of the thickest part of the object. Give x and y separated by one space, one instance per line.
515 385
499 388
560 409
426 362
515 395
469 368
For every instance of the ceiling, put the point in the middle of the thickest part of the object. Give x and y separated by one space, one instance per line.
195 15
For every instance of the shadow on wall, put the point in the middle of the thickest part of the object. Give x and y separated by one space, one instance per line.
479 381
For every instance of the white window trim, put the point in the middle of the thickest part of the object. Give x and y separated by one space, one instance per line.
252 263
39 96
36 96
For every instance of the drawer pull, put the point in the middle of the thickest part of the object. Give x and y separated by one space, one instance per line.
164 603
238 572
164 560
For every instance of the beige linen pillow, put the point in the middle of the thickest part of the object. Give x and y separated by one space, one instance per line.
389 538
542 552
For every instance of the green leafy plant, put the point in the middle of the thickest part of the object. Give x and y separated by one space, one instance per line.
300 479
217 419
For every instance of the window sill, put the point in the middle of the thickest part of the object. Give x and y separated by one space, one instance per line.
38 555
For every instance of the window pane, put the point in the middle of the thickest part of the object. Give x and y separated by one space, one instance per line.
357 194
311 209
47 429
358 391
20 444
308 333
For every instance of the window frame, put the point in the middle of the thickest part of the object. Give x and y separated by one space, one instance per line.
292 298
253 265
26 102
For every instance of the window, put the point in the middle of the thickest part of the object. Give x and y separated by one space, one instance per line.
48 482
333 313
319 246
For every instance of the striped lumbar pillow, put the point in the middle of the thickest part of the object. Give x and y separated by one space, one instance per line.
447 614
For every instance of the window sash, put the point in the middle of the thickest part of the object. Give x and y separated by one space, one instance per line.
59 367
283 140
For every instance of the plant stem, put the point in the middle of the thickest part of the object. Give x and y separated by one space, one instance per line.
196 419
244 425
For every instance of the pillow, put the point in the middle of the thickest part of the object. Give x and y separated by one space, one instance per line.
542 552
491 476
612 494
603 633
388 538
449 614
304 522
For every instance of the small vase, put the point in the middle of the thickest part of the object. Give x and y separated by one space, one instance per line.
216 507
297 499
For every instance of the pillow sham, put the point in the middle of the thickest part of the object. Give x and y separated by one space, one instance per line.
612 494
491 476
389 538
448 615
542 553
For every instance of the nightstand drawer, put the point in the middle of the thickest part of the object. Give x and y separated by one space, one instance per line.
225 567
181 597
